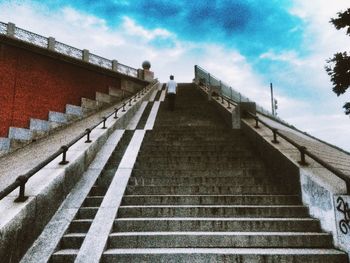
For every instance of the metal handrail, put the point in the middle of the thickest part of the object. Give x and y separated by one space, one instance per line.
302 149
21 180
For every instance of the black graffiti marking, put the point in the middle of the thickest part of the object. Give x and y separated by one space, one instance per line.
343 207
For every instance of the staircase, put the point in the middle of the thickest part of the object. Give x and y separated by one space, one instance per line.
198 193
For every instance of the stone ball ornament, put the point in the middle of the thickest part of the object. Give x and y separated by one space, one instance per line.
146 65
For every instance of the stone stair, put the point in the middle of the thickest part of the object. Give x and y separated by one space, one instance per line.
196 193
199 194
19 137
73 238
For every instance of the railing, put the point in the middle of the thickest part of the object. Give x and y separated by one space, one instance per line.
302 149
100 61
22 179
30 37
226 91
50 43
127 70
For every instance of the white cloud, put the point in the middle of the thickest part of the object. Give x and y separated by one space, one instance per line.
290 57
133 28
131 43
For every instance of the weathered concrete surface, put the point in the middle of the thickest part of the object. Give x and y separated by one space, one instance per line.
21 223
95 240
317 185
342 220
45 245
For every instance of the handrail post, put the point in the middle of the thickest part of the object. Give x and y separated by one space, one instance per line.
64 161
256 122
222 99
135 98
302 150
129 102
275 136
22 181
88 131
123 107
116 113
104 123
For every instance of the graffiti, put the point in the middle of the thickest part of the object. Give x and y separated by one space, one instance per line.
343 207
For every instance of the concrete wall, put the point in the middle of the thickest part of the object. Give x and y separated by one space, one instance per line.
34 82
21 223
318 188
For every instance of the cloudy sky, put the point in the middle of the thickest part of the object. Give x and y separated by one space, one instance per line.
245 43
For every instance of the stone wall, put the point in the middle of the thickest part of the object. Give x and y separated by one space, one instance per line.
31 84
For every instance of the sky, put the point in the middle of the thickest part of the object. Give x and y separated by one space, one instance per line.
245 43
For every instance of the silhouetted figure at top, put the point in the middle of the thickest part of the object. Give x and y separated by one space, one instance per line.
171 88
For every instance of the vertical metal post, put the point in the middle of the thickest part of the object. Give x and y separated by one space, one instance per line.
64 155
104 123
129 102
135 98
256 123
275 136
272 106
22 185
116 113
302 150
229 104
88 131
123 107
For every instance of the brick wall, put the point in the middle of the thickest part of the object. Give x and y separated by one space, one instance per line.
32 84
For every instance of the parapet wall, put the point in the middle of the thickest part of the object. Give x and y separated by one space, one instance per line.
33 84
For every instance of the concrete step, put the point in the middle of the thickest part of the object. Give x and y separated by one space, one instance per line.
190 148
80 225
74 110
90 105
216 225
199 173
106 98
208 159
97 191
236 255
170 154
116 92
72 241
219 239
211 200
64 256
86 213
20 134
196 181
39 125
93 201
296 211
207 189
194 138
59 117
198 166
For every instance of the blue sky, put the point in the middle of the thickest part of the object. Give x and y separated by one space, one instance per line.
246 43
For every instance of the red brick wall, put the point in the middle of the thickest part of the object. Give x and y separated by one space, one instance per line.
32 84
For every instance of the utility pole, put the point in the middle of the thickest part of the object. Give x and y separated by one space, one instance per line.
272 101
